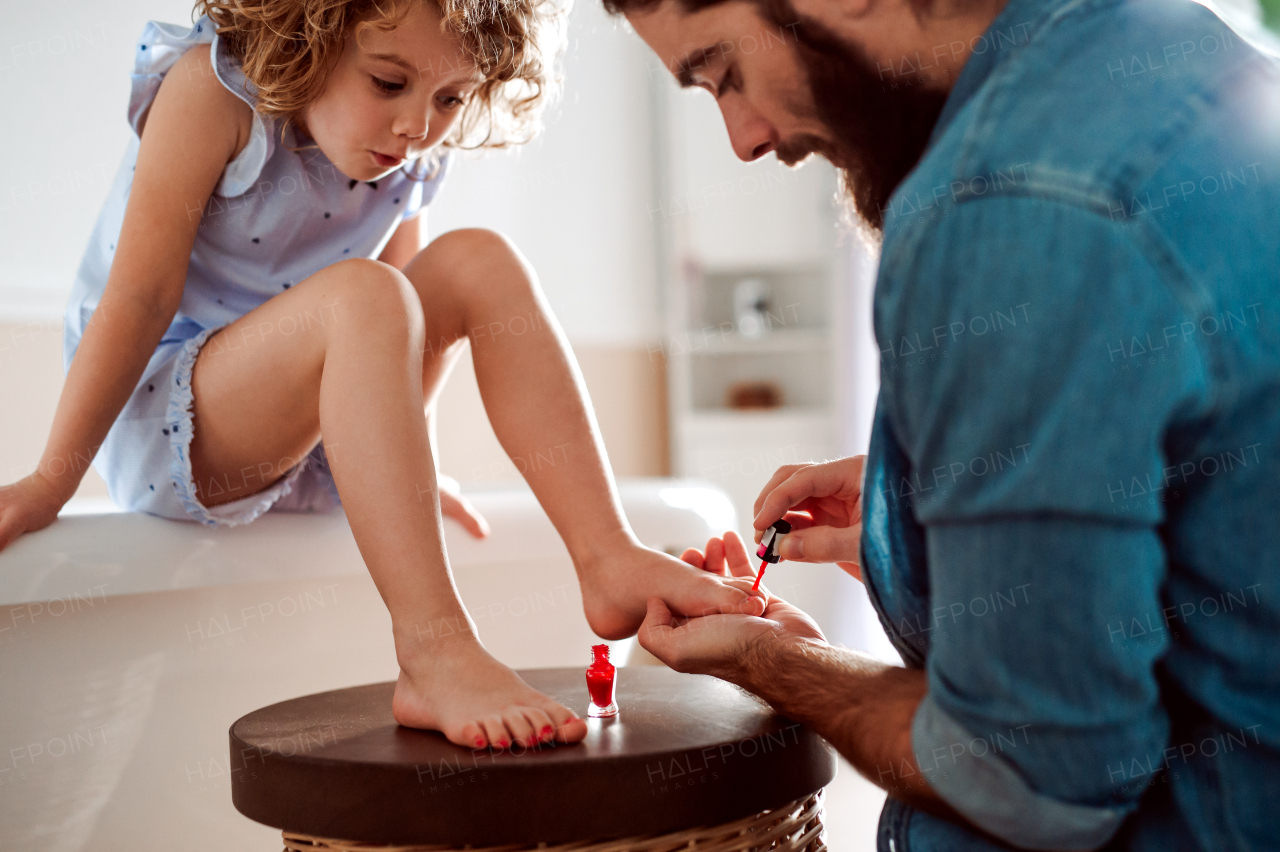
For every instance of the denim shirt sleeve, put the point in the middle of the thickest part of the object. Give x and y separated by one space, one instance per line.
997 328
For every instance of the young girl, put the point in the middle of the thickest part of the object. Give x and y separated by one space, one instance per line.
257 281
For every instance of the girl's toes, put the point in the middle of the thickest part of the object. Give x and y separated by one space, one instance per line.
543 728
473 736
521 731
569 726
572 731
496 732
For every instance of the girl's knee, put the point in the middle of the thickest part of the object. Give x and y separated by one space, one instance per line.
475 265
369 292
467 243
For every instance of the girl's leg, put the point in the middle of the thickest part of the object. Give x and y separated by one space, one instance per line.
474 285
341 354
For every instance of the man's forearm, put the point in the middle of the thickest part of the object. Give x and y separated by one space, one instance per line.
862 707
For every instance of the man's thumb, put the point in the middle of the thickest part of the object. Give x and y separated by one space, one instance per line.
823 544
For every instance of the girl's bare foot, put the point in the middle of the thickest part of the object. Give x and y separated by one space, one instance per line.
458 688
616 591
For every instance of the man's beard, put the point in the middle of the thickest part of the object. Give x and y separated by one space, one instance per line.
880 132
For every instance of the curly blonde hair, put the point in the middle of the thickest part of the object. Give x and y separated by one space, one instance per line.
286 48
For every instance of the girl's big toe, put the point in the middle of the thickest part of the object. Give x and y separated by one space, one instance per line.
569 727
473 736
572 731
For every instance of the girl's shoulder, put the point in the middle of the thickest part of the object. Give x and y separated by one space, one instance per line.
207 71
193 80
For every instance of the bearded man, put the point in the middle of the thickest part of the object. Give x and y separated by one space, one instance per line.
1071 500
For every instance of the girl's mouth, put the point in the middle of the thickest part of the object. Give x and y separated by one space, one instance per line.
386 161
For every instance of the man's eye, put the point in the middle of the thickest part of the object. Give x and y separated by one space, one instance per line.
387 85
727 82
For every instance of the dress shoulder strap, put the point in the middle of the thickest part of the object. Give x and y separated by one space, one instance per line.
158 48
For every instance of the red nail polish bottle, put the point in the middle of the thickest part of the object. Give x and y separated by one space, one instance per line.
600 683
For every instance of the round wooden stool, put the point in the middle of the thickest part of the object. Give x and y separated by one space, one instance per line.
689 762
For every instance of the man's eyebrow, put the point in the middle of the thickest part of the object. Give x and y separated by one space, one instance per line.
695 59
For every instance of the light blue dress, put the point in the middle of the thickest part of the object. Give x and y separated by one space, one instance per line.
276 217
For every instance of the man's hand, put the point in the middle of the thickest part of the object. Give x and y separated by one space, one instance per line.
823 504
722 645
862 707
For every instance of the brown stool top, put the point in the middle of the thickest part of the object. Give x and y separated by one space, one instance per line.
685 750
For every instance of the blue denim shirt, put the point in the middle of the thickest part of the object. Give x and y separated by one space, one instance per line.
1072 497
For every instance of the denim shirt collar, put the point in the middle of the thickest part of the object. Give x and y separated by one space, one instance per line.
1022 18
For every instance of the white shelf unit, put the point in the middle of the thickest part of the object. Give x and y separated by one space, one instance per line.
739 449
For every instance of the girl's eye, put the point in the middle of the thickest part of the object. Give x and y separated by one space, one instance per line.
451 102
387 85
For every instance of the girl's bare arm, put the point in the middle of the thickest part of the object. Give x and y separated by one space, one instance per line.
408 239
194 128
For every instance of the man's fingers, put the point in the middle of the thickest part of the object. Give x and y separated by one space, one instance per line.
842 477
812 481
658 615
655 632
779 476
823 544
798 521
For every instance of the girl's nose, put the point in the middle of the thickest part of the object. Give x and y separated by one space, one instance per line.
413 124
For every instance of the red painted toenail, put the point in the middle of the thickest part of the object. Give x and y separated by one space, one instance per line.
546 730
502 743
479 741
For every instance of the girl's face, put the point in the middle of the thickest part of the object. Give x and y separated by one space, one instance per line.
391 97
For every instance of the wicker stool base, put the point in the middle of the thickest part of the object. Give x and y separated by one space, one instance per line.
795 827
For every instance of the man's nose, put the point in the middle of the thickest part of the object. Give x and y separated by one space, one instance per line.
750 134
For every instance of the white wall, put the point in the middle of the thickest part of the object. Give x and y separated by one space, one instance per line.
574 201
64 83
